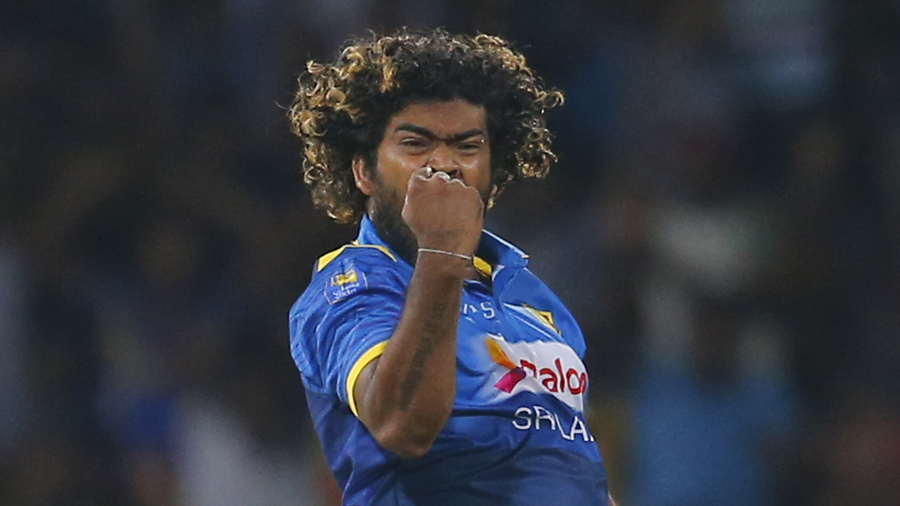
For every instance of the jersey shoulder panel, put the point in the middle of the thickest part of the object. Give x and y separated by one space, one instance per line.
351 282
539 300
354 249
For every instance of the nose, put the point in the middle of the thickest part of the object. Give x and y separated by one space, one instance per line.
442 159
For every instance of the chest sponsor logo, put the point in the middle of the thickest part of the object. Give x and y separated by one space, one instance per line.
539 367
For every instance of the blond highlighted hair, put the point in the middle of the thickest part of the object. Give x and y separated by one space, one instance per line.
341 109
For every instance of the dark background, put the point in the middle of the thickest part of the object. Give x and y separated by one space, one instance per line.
724 221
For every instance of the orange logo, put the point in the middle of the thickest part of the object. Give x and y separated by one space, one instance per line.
544 364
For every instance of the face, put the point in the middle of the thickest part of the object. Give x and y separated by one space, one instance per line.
448 136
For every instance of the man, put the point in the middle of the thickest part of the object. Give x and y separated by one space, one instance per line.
438 369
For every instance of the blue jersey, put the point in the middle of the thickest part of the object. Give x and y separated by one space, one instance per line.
516 434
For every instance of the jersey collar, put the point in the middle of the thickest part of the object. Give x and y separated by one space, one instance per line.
498 252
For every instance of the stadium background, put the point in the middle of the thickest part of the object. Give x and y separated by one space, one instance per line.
724 221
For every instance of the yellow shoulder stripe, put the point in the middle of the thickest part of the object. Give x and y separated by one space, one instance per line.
545 317
482 266
366 358
327 258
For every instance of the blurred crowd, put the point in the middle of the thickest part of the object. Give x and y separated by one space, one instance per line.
724 221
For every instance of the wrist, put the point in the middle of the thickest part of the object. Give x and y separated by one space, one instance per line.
450 241
452 266
452 254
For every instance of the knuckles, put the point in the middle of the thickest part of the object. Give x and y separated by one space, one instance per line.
430 201
438 186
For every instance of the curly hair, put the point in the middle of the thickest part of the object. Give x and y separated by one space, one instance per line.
341 110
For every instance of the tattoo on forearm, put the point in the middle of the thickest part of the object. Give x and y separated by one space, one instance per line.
430 333
416 370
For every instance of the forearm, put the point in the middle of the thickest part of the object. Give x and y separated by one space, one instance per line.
409 395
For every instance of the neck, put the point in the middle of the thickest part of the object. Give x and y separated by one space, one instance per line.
397 235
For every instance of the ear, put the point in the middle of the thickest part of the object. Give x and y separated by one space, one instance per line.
361 175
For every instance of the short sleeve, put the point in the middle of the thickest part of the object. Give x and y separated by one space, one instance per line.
337 330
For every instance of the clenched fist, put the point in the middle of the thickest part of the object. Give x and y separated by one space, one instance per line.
443 213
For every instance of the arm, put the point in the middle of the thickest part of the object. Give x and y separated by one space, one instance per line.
405 396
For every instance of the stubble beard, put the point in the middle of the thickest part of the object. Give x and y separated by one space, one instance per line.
386 215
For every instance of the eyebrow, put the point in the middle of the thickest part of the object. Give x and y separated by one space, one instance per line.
416 129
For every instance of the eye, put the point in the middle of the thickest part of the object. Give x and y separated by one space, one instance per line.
413 142
469 146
